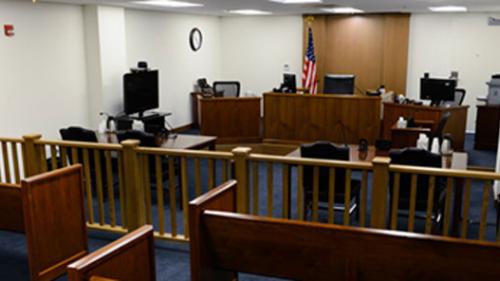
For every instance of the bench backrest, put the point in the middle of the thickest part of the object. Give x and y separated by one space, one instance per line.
228 242
129 258
54 221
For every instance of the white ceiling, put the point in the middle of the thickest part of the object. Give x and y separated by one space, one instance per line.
219 7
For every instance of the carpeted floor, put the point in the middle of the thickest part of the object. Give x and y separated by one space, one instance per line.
172 259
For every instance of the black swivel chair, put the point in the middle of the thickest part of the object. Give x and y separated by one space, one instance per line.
459 96
227 88
85 135
327 150
438 133
422 158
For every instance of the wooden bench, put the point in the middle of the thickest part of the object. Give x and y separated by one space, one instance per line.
128 258
48 208
224 242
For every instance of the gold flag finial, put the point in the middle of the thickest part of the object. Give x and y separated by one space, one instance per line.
309 20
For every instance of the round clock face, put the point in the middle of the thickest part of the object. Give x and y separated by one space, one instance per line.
195 39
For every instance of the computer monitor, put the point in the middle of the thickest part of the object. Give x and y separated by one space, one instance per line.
289 83
339 84
437 90
140 91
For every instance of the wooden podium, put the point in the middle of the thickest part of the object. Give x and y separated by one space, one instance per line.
232 120
455 126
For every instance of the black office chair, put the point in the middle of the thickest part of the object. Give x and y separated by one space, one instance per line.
422 158
85 135
327 150
438 133
459 96
227 88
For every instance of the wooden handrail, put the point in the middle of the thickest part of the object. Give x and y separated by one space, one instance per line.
6 139
311 161
185 153
80 144
444 172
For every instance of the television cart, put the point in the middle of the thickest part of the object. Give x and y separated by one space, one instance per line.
154 122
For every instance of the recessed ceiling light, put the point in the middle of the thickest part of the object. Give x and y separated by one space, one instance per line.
250 12
297 1
449 9
169 3
342 10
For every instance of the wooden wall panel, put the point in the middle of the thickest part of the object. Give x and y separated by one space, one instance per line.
395 64
373 47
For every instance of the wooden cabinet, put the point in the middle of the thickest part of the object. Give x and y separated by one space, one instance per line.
455 126
335 118
232 120
487 121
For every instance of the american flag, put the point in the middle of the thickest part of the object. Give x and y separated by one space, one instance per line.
309 76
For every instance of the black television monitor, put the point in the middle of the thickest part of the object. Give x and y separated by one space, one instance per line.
140 91
339 84
289 83
437 90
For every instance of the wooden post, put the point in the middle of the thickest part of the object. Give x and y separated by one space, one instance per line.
240 156
134 193
31 155
379 191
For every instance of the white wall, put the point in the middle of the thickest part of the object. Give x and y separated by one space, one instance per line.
441 43
254 50
106 59
42 69
162 39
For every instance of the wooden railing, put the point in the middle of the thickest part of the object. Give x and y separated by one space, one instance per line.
127 186
11 166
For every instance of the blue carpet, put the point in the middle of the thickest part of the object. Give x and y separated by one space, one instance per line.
172 259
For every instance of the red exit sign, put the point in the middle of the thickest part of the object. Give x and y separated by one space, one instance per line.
8 30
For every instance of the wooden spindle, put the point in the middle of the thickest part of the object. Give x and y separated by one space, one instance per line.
331 196
465 215
109 184
98 180
484 210
395 201
64 156
159 194
6 164
53 157
88 186
224 170
172 194
15 157
430 204
447 206
413 201
185 195
147 188
121 189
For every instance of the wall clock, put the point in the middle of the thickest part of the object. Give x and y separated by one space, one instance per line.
195 39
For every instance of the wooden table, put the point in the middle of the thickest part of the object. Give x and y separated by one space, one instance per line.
335 118
173 141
